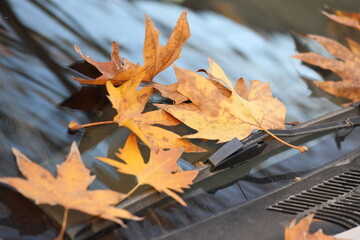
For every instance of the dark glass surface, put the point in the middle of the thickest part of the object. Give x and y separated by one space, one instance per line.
245 183
36 45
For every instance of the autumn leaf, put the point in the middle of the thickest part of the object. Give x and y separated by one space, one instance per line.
118 70
350 19
216 114
129 104
346 66
300 231
161 171
68 189
156 57
170 91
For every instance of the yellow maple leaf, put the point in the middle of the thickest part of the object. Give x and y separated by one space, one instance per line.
129 104
156 57
161 171
68 189
224 112
346 66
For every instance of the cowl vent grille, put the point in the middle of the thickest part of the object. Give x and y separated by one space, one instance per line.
336 200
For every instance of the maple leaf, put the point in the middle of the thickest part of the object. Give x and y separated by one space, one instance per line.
225 114
170 91
68 189
118 70
350 19
130 104
300 231
161 171
156 57
346 66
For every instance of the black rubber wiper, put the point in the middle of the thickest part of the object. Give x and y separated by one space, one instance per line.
236 152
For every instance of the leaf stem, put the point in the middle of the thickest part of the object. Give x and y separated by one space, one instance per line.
302 149
63 225
132 191
75 126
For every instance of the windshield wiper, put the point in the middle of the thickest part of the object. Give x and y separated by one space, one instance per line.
236 152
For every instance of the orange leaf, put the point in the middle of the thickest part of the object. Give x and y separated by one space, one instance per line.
216 115
118 70
68 189
346 66
161 171
129 105
170 91
156 57
300 231
350 19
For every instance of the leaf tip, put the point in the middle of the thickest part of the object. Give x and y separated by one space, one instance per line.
74 148
148 21
19 156
76 47
184 13
15 151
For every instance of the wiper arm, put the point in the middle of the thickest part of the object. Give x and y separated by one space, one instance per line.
236 152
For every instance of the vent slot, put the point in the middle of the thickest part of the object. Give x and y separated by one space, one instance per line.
336 200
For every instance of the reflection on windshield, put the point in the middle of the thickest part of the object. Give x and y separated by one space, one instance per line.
245 183
36 45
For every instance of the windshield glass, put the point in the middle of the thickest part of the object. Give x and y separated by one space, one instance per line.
249 40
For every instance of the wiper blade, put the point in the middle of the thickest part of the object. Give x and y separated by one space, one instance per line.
236 152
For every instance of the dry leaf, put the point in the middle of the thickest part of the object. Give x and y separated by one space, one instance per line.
68 189
170 91
161 171
130 104
118 70
350 19
216 115
156 57
346 66
300 231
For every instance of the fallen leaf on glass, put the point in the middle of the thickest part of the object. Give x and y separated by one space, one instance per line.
118 70
129 104
68 189
161 171
222 114
156 57
170 91
346 66
351 19
300 231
